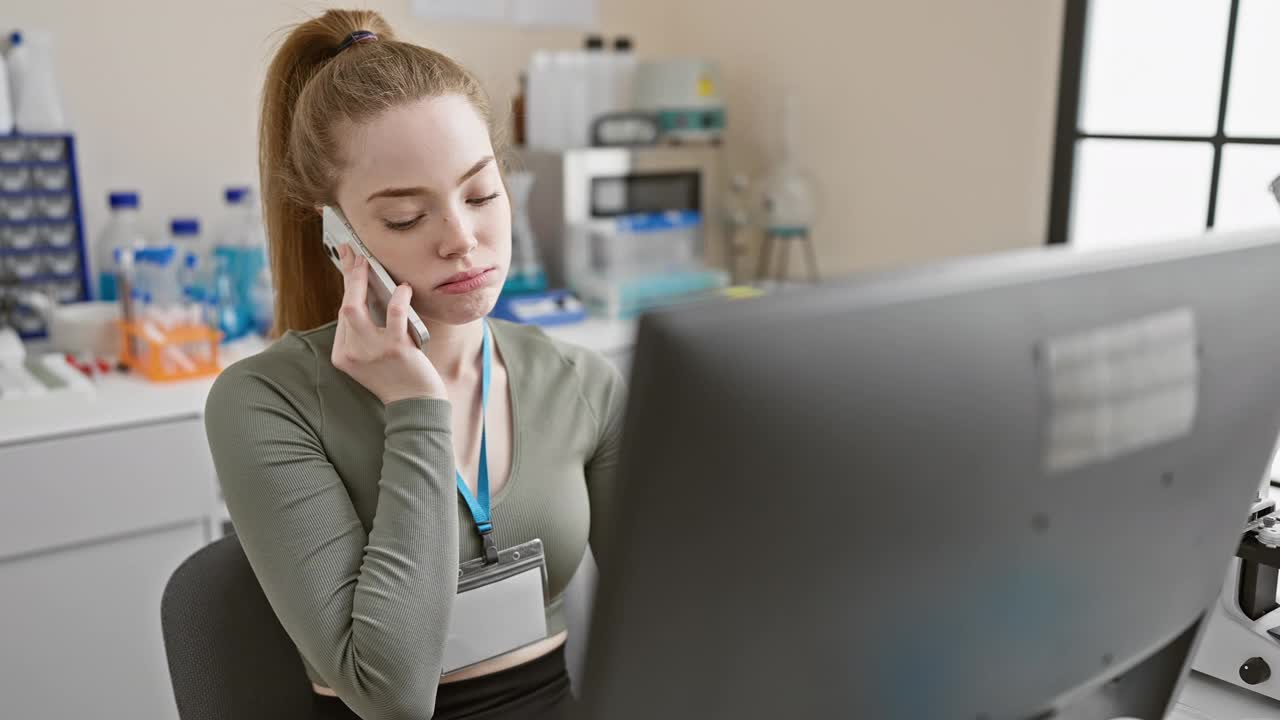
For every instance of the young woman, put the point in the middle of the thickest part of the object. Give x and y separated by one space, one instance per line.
341 449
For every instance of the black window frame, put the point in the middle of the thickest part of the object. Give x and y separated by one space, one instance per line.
1069 134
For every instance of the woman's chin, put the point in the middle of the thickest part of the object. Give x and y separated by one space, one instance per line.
459 309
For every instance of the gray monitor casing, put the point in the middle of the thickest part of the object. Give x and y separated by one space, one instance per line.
836 503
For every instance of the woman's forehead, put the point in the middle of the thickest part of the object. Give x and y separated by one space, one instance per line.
430 142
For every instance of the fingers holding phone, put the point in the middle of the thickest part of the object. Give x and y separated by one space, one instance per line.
384 360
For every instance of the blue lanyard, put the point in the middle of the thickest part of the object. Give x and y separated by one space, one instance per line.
480 510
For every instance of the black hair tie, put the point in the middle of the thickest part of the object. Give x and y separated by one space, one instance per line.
356 37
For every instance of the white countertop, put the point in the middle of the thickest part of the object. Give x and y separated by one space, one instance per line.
122 401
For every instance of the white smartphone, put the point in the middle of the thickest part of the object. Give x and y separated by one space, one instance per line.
338 232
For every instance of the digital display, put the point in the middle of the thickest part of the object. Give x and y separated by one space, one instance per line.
629 194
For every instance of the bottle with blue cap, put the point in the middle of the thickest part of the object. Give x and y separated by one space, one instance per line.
242 246
191 257
123 231
156 277
34 84
6 99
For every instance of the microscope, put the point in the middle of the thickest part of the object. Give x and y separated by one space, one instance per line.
1242 642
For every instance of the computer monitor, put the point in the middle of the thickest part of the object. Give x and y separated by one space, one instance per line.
1002 488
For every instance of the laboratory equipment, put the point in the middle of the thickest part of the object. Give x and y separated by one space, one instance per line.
42 243
578 188
547 308
79 328
1001 487
263 298
36 97
737 220
6 99
627 129
525 298
627 229
165 354
628 264
23 375
788 205
1242 644
685 96
193 277
242 247
526 273
567 92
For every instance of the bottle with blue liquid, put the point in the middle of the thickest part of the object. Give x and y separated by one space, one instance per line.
242 252
225 310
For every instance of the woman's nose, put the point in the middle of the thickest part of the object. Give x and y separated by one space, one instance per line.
457 236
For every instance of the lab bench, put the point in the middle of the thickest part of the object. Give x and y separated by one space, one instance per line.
101 497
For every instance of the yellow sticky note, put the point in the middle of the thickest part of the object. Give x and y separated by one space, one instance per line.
742 292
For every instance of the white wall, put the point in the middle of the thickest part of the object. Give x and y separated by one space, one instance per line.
928 123
163 93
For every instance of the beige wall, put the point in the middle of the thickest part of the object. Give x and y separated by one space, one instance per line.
163 93
929 123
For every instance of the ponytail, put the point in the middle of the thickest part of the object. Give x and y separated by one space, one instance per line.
317 78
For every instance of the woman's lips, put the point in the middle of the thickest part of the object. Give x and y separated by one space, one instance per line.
465 282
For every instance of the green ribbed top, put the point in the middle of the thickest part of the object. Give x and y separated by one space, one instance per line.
349 512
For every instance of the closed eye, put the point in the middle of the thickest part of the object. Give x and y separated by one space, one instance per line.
404 225
479 202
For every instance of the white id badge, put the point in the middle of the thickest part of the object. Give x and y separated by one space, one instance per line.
499 607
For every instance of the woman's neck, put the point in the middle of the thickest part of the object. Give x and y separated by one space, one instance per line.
454 349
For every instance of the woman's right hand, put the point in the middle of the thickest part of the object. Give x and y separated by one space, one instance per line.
382 359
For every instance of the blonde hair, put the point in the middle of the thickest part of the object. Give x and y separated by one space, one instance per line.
312 88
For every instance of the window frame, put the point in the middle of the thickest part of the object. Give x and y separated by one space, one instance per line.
1069 135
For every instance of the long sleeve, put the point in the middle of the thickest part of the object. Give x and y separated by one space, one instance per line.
368 611
608 402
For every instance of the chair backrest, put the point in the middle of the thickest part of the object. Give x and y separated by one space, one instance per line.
228 655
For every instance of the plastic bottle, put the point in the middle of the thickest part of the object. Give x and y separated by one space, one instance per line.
624 74
158 278
597 86
122 231
263 300
226 315
12 71
37 100
538 101
561 106
242 245
191 256
6 99
577 96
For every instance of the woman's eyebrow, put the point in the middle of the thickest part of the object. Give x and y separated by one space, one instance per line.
397 192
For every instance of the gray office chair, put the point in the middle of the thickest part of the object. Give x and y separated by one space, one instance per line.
229 658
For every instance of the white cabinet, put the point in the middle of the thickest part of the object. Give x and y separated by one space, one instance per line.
81 628
85 487
91 526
